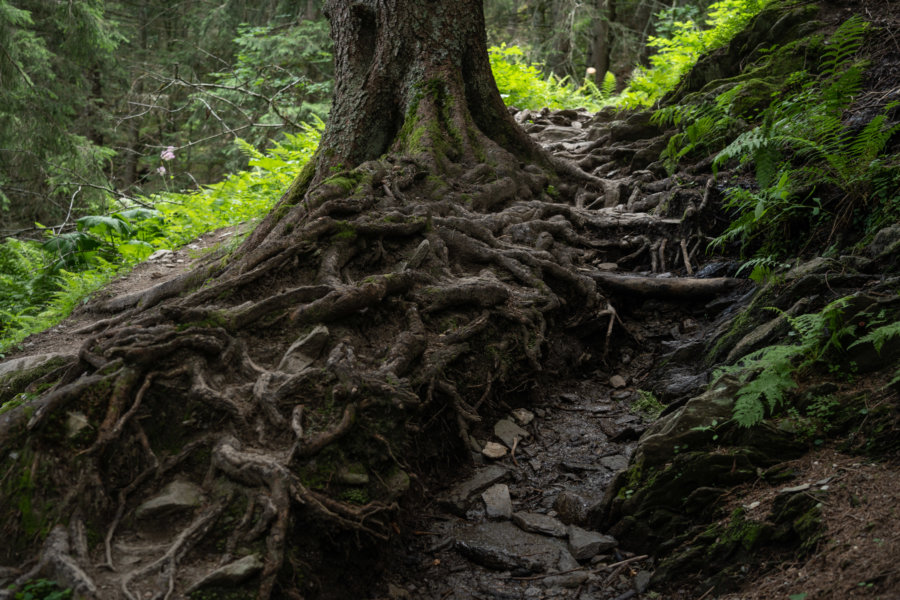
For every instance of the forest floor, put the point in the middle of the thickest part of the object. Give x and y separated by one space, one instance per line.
480 535
516 521
498 528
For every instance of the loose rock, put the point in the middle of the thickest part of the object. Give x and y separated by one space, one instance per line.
617 381
642 581
458 499
508 431
494 451
232 573
538 523
523 416
76 422
177 496
304 351
502 546
617 462
584 544
570 507
353 474
497 501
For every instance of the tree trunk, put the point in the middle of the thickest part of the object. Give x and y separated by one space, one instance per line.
599 51
412 78
279 401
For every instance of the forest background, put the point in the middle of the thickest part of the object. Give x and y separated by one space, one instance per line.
128 127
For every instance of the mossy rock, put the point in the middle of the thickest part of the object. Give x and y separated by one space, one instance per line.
16 374
728 62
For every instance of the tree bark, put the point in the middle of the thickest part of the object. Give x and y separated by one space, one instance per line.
599 49
418 269
411 76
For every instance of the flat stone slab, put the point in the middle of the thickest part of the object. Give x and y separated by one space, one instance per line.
233 573
584 544
502 546
497 502
457 500
27 363
508 431
175 497
304 351
538 523
616 462
494 451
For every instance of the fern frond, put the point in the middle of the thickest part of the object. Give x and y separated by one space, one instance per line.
871 141
843 44
877 337
772 379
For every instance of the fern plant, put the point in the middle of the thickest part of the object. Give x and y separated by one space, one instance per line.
811 169
40 284
767 375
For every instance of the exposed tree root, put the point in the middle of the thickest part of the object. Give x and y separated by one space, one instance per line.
290 387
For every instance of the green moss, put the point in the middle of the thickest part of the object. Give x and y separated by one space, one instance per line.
438 136
346 181
345 231
281 211
16 382
648 404
300 185
809 528
356 496
213 319
17 400
741 532
19 491
634 478
318 473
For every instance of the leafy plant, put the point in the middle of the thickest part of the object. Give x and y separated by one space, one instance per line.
42 589
648 404
767 375
40 284
878 336
679 49
811 168
523 85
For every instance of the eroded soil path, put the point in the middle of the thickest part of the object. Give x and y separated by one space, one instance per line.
517 523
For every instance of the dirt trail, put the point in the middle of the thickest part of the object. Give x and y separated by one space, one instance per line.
516 524
164 265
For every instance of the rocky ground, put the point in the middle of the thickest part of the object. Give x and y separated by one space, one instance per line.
527 520
623 477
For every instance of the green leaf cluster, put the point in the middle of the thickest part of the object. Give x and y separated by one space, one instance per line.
811 168
684 42
523 85
42 282
42 589
768 375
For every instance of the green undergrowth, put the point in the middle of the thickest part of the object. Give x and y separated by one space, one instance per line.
825 341
41 282
523 85
815 174
678 51
42 589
